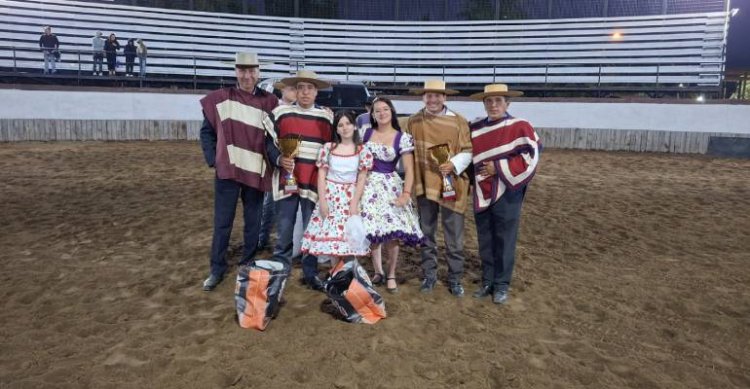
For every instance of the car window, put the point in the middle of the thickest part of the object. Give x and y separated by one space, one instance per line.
352 96
325 98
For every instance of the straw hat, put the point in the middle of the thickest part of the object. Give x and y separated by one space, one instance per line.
246 58
304 75
436 86
495 90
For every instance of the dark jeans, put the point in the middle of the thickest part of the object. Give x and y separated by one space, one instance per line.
129 63
266 224
226 193
111 61
286 216
497 232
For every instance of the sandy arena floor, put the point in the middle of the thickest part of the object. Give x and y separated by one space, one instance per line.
632 271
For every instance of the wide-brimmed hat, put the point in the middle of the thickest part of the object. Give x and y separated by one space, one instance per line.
246 58
304 75
435 86
495 90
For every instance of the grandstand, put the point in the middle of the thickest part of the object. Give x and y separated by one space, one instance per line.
666 46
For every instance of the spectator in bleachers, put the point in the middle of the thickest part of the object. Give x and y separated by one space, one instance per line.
233 135
110 48
142 54
130 53
435 124
97 47
50 45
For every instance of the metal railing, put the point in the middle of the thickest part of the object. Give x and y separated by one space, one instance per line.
192 70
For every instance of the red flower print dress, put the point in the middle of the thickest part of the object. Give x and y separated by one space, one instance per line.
326 236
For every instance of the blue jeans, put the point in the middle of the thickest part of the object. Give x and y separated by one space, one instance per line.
497 232
142 66
286 216
49 61
226 193
266 224
98 62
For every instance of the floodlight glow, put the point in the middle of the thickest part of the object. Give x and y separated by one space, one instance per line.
700 99
617 36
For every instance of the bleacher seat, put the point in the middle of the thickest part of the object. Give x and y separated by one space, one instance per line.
683 49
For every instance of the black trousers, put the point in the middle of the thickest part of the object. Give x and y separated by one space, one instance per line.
497 232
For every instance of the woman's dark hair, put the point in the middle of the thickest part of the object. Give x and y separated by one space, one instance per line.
352 119
394 116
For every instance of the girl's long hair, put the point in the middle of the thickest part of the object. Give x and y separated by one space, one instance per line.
352 119
394 116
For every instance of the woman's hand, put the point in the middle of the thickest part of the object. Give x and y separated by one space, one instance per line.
323 208
353 208
402 200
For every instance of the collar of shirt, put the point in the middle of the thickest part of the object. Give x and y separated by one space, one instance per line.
506 116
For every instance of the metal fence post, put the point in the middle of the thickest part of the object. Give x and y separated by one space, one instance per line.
195 74
15 67
658 70
494 74
347 71
78 79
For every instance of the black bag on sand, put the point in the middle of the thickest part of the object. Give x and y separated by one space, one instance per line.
258 291
351 292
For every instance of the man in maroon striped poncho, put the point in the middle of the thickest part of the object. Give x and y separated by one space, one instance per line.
233 138
505 156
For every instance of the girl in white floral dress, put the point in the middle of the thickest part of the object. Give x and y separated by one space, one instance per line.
342 171
386 203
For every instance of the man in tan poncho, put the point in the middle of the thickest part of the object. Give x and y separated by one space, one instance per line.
435 124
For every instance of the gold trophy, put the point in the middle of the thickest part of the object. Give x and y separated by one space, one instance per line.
289 146
442 154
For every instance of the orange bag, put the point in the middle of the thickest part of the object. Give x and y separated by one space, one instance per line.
351 292
258 291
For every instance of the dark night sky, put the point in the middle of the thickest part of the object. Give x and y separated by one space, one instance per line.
738 42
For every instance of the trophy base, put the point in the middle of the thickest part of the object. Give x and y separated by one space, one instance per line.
449 196
289 189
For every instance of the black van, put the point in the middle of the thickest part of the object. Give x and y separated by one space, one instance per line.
346 95
349 95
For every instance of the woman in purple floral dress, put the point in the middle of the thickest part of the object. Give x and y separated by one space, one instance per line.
386 203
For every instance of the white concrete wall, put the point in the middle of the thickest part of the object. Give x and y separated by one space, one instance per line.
25 104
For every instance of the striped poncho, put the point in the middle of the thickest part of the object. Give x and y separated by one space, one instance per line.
241 121
513 146
313 125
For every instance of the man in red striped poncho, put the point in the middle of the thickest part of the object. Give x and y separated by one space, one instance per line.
505 156
312 124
